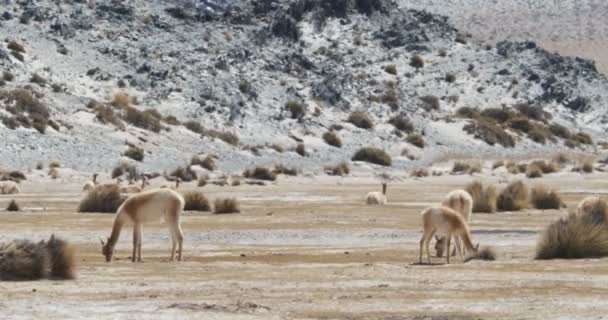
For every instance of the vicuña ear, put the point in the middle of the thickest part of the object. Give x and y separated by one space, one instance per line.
102 243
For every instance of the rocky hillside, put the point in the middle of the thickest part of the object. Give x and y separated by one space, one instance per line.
305 83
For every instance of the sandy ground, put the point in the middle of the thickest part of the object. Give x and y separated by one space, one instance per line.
305 248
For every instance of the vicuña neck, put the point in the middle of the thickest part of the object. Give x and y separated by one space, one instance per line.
115 231
466 238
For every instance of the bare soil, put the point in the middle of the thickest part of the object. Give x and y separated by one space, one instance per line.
305 248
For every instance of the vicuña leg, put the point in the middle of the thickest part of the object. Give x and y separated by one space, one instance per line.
180 240
140 237
449 239
134 254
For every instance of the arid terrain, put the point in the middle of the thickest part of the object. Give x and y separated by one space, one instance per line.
305 248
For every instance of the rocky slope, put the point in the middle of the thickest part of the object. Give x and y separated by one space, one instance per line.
271 73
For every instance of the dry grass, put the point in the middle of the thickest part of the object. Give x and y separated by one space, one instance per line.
103 199
53 173
196 201
301 150
260 173
361 120
332 139
185 174
468 167
372 155
402 123
296 109
135 153
341 169
585 165
54 164
202 181
546 166
121 100
484 199
573 237
497 164
282 169
419 173
543 198
534 171
13 206
228 205
207 162
514 197
561 158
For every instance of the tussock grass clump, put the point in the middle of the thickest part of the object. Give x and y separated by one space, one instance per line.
415 139
207 162
361 120
260 173
561 158
228 205
489 132
545 166
497 164
26 260
301 150
13 206
468 167
228 137
53 173
514 197
147 120
419 173
185 174
135 153
372 155
202 180
402 123
484 199
417 62
585 165
296 109
430 102
332 139
196 201
390 69
194 126
121 100
54 164
484 253
103 199
282 169
15 46
573 237
341 169
543 198
583 138
512 167
533 171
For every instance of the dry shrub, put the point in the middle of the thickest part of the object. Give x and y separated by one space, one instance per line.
194 126
534 171
484 199
512 167
135 153
402 123
419 173
514 197
372 155
341 169
585 165
228 205
416 140
545 166
430 102
296 109
121 100
582 138
125 167
13 206
522 167
196 201
54 173
468 167
561 158
573 237
391 69
489 132
361 120
497 164
104 199
332 139
147 120
228 137
207 162
282 169
202 180
235 181
17 176
543 198
417 62
260 173
15 46
54 164
484 253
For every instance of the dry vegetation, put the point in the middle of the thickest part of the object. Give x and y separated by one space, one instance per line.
544 198
207 162
228 205
372 155
13 206
196 201
573 237
466 167
361 120
103 199
534 171
514 197
135 153
484 199
332 139
341 169
415 139
260 173
419 173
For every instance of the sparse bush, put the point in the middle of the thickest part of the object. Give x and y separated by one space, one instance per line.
484 199
586 165
520 124
244 86
497 164
194 126
196 201
512 167
147 120
260 173
534 171
228 137
416 140
185 174
38 79
430 102
341 169
103 199
15 46
282 169
560 131
419 173
207 162
39 165
277 147
297 109
135 153
13 206
573 237
391 69
450 78
545 166
583 138
543 198
301 150
402 123
361 120
121 100
8 76
106 115
172 120
372 155
417 62
561 158
539 134
202 180
489 132
54 164
514 197
229 205
468 167
332 139
235 181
